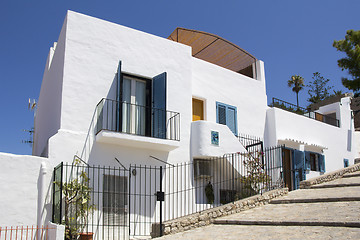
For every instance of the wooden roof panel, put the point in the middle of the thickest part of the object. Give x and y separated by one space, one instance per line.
213 49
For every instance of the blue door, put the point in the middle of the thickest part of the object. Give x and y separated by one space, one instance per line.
298 165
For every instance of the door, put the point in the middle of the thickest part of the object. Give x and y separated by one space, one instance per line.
198 109
133 105
298 168
286 162
115 207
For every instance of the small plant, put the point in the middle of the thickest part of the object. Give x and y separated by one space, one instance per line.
77 198
256 178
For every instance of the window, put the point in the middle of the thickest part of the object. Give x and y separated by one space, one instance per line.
227 115
133 105
115 198
346 162
202 168
198 109
142 108
314 161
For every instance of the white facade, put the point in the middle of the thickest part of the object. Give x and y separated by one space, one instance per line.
89 51
303 133
82 69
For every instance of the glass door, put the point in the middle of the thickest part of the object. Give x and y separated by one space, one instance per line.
133 106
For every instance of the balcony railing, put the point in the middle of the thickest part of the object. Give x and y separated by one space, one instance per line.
303 111
135 119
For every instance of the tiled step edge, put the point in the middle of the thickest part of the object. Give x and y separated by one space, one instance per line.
327 177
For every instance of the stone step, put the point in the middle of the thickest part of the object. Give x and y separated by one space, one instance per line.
235 232
349 194
315 200
335 214
338 183
288 223
335 185
354 174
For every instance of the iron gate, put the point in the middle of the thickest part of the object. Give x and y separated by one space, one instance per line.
122 202
109 202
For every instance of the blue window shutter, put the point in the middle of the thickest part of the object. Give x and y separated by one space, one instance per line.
221 114
321 163
118 98
159 106
227 115
231 119
307 160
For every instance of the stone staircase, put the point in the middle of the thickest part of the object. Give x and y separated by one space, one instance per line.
324 210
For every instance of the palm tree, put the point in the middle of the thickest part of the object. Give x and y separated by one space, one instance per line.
298 83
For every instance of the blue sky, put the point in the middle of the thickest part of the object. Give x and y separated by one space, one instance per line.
291 37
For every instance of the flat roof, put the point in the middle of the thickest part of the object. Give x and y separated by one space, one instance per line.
213 49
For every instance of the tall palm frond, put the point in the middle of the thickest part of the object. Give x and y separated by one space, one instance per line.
298 84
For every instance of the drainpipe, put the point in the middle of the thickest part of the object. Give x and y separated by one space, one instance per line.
41 196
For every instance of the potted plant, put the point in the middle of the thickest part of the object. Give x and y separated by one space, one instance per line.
77 198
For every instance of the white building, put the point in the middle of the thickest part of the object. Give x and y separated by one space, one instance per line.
114 95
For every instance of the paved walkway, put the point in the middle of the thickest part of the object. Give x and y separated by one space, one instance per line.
329 212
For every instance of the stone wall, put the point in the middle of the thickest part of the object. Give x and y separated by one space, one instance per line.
207 217
329 176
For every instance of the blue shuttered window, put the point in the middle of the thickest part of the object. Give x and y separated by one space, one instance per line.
159 106
227 115
118 98
307 160
321 163
314 161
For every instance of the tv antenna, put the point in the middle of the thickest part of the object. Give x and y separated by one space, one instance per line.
30 140
32 104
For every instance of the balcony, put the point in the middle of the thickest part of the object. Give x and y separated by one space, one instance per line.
136 126
305 112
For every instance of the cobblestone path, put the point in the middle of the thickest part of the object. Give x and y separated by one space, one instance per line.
326 211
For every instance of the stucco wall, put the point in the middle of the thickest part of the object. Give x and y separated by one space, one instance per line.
336 140
20 189
93 50
201 145
47 120
216 84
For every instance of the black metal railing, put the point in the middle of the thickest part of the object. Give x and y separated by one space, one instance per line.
305 112
118 202
136 119
211 182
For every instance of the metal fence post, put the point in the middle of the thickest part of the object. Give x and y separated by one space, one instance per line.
161 201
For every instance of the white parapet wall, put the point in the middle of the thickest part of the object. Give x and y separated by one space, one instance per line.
201 142
24 185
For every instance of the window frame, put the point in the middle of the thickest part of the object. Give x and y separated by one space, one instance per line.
227 107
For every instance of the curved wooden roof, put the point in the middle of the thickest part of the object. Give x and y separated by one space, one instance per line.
214 49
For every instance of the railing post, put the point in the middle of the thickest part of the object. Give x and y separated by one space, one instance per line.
161 201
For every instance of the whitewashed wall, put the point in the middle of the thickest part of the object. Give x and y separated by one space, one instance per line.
47 120
21 189
337 141
93 50
212 84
